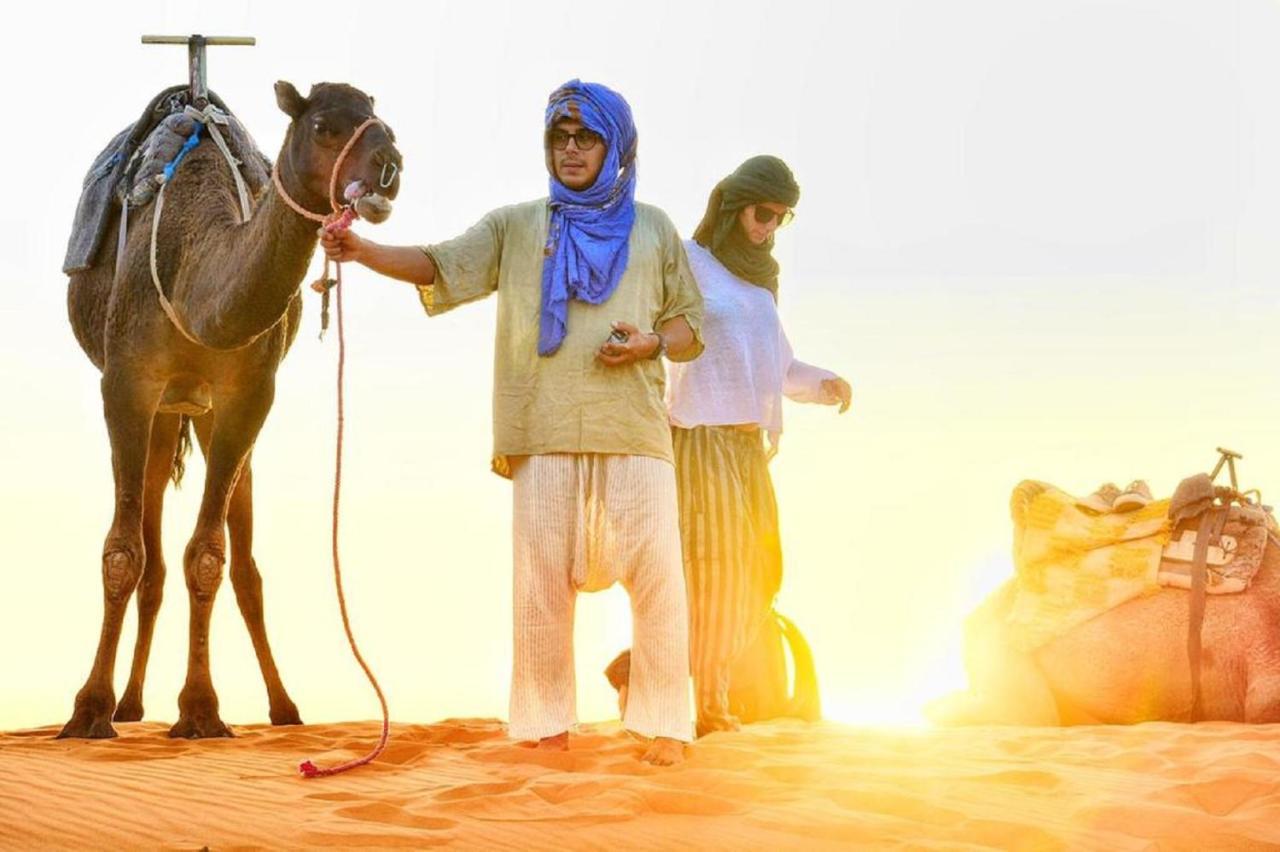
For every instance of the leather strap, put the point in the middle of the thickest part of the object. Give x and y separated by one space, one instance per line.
1211 523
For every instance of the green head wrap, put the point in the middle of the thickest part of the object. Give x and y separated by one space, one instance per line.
759 179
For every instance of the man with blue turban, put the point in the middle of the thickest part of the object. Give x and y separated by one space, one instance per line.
593 289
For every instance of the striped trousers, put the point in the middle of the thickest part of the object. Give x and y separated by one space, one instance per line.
581 523
732 553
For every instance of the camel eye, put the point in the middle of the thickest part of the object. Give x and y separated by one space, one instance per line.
322 127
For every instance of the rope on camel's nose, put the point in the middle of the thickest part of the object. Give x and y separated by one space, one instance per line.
340 222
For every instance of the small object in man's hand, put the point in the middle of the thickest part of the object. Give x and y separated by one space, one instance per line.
618 336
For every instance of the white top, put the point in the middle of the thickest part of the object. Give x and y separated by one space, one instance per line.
747 366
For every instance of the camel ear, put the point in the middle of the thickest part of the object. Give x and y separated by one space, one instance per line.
292 103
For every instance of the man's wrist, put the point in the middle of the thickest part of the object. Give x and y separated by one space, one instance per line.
660 349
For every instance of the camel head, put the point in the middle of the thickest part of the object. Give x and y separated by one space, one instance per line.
321 125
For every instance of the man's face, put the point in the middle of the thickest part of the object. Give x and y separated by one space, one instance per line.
578 163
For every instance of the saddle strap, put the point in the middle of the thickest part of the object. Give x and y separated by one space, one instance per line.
1212 522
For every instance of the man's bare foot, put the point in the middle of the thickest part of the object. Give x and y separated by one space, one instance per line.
560 742
664 751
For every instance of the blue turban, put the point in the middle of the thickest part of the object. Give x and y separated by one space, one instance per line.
586 251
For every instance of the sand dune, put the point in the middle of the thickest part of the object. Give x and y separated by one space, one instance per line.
780 785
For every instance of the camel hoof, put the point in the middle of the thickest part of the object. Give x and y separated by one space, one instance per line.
130 710
285 715
199 727
87 726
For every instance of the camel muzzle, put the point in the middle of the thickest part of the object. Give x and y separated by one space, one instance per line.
371 206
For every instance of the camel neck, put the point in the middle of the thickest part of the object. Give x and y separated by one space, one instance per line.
250 274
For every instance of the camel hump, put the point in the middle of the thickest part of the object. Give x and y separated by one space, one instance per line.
126 168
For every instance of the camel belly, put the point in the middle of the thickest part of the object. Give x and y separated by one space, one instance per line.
187 394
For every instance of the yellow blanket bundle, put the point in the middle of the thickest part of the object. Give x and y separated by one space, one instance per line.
1074 563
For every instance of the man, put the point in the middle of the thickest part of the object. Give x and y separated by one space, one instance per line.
593 288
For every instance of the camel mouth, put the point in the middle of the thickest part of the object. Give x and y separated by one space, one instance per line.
373 207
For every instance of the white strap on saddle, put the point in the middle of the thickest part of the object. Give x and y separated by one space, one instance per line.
210 117
1183 550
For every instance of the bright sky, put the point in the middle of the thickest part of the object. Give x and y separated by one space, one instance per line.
1038 238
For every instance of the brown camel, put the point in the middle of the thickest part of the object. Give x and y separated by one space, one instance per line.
236 288
1129 664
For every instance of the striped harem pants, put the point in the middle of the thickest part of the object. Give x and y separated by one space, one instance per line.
732 553
581 523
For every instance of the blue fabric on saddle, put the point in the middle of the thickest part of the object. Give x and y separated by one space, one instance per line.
126 166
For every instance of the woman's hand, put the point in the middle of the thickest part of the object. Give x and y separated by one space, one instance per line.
838 391
637 347
342 246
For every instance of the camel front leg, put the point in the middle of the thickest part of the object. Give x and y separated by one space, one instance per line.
237 419
129 404
247 582
160 460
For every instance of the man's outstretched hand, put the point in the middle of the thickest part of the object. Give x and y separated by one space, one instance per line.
343 246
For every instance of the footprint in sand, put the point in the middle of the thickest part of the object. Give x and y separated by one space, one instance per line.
1219 797
471 791
556 793
801 775
388 814
894 804
685 803
113 751
334 797
1019 778
1006 835
374 840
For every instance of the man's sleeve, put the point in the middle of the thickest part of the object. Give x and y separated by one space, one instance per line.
680 293
466 266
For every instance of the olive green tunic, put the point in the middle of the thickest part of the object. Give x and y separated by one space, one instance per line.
568 402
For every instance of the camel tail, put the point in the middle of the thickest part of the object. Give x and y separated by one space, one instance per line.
806 703
180 454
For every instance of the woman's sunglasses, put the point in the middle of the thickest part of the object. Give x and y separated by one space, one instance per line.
764 215
585 138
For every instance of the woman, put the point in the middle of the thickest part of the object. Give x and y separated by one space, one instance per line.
721 407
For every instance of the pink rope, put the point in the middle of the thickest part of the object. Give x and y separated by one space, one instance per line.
340 220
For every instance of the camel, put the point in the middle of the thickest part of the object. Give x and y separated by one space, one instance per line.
1129 664
236 288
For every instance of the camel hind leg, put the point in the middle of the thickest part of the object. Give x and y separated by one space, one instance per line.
165 431
247 583
129 405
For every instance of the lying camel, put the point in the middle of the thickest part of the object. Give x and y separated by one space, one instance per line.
1129 664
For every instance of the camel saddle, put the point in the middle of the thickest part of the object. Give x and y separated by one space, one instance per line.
1233 554
127 166
1216 525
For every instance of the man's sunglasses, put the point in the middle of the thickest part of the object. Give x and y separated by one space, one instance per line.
764 215
585 139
